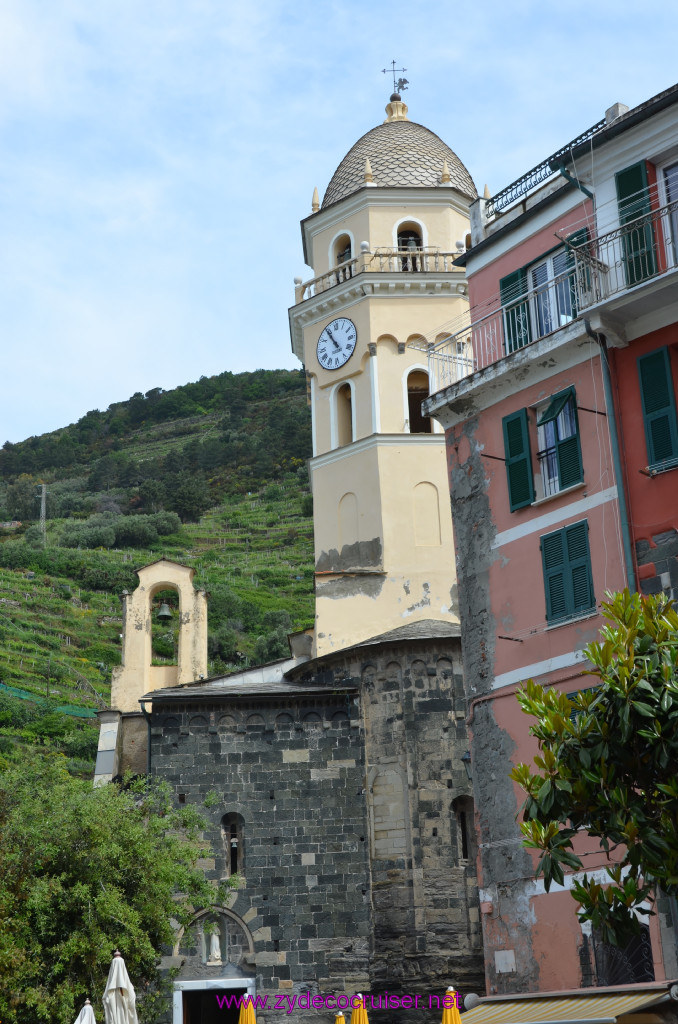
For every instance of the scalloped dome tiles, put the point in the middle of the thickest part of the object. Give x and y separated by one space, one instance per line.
400 153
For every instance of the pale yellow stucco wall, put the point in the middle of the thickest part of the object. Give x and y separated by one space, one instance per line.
136 676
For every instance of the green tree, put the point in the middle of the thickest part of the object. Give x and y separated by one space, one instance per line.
82 871
608 763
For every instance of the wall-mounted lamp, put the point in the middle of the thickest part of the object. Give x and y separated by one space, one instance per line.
466 758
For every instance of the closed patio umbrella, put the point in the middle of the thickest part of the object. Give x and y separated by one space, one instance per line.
359 1013
451 1013
119 999
86 1015
247 1015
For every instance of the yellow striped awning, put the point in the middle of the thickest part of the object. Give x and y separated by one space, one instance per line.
588 1009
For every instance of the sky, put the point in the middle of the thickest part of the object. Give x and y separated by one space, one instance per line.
156 157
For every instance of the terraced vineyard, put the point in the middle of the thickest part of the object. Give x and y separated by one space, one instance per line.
252 547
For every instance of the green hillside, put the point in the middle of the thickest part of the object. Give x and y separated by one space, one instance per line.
212 474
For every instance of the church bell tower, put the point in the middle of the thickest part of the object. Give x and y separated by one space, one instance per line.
382 247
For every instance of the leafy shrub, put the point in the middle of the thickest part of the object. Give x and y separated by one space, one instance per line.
166 523
135 531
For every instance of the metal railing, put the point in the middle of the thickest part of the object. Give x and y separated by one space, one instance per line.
636 252
385 260
546 169
491 336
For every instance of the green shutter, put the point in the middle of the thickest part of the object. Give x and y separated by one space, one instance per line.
659 409
568 582
518 459
568 451
633 197
577 544
553 561
517 331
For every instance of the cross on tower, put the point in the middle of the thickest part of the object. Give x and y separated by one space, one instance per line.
401 83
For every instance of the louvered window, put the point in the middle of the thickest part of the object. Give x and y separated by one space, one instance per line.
633 198
659 407
559 453
518 459
568 583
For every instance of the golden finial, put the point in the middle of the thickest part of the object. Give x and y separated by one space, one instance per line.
315 202
445 177
369 180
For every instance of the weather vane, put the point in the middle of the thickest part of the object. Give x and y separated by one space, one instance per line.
402 83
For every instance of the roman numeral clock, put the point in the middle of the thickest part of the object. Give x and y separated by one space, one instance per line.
336 343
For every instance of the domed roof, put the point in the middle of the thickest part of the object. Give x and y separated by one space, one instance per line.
400 152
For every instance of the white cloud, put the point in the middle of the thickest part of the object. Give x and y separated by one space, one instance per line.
158 157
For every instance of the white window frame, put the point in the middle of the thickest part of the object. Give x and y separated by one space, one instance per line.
547 295
548 480
669 222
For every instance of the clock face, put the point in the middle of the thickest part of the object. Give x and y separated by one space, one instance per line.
336 343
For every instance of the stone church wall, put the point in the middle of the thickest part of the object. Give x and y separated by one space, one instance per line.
294 773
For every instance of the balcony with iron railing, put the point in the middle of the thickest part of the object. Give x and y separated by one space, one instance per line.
626 266
383 260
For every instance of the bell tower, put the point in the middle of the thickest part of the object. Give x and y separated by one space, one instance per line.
382 248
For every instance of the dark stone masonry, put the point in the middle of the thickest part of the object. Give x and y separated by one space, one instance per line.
339 795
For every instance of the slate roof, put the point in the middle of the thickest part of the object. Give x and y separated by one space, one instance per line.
400 153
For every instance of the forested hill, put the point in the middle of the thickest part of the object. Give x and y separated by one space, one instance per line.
212 474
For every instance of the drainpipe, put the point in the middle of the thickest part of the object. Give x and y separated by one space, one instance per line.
148 736
616 457
574 181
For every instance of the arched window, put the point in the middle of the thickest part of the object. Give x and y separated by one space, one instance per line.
409 240
417 391
233 843
342 250
343 399
165 626
462 807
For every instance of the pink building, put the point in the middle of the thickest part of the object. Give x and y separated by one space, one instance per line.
554 391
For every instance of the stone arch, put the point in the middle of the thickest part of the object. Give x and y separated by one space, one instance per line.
416 387
340 720
426 514
235 927
136 675
255 723
284 721
341 243
342 414
233 842
348 520
312 720
410 226
197 725
226 723
388 820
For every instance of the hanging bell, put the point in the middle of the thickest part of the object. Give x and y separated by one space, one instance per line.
164 612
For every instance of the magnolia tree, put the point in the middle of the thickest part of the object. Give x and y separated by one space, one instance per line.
608 764
82 871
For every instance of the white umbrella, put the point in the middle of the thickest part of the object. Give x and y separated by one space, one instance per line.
119 999
86 1015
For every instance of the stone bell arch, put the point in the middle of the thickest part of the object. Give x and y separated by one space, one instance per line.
123 738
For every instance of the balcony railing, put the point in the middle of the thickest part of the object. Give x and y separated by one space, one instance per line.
639 251
501 330
382 261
